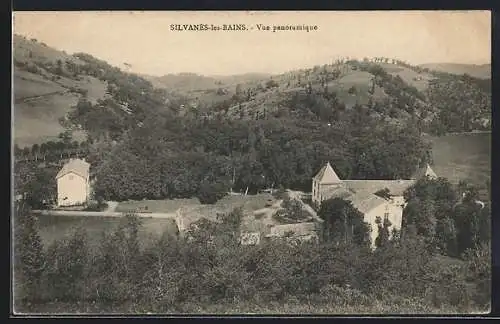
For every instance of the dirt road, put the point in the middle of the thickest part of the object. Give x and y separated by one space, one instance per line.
99 214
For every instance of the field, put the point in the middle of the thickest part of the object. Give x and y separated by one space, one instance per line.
463 157
29 85
479 71
226 204
39 100
156 206
37 120
57 227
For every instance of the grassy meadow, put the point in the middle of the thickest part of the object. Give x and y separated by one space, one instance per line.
57 227
37 120
226 204
463 157
54 228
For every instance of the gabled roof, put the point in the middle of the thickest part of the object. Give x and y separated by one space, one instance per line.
423 172
337 193
327 175
365 202
76 166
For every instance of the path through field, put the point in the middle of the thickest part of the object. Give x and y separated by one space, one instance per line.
111 206
298 196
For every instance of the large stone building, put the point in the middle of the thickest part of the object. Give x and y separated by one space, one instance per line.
327 184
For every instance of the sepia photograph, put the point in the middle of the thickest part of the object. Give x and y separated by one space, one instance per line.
251 163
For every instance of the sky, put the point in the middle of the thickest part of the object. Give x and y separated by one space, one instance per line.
146 42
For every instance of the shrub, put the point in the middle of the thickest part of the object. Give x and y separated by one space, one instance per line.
478 265
67 267
343 295
280 194
271 84
96 206
30 259
210 193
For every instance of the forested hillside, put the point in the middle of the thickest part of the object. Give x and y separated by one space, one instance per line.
49 82
437 101
365 116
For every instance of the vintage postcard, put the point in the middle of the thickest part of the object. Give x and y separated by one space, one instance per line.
259 162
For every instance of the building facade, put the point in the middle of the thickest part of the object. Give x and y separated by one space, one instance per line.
73 183
362 194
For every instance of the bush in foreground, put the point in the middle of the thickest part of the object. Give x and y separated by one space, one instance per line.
213 273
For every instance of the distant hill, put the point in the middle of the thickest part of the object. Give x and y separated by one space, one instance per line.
44 90
48 82
183 81
188 82
482 71
256 95
350 81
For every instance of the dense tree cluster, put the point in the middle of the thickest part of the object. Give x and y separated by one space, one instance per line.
451 219
177 274
131 99
463 103
343 223
172 157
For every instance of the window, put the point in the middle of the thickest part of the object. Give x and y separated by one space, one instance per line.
71 177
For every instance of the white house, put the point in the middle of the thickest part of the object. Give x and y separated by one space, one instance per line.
73 183
326 184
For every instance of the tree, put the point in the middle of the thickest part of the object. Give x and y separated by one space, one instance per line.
238 91
210 193
68 265
59 68
40 189
66 136
292 211
343 223
271 84
467 216
478 263
383 231
35 149
28 253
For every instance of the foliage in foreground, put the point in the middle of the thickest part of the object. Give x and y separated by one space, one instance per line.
178 275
